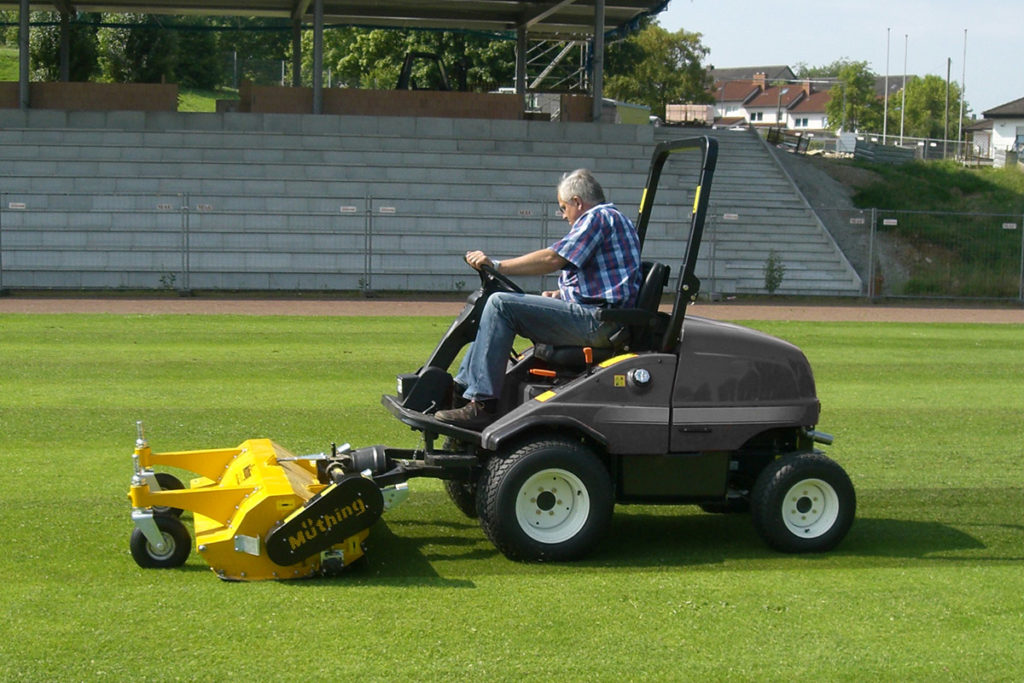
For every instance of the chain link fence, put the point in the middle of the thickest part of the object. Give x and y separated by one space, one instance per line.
926 254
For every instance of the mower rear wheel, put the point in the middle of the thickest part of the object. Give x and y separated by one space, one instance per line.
177 545
548 500
803 503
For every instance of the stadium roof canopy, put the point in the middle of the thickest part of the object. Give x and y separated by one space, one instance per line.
558 19
553 17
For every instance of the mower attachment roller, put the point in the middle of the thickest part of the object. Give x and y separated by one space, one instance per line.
258 511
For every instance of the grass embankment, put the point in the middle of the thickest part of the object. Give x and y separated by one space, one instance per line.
189 99
8 63
943 186
927 586
957 230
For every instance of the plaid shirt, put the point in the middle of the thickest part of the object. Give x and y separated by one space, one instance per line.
603 251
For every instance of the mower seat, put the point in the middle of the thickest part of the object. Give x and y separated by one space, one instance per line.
638 331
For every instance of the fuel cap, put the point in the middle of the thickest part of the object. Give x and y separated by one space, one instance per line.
639 376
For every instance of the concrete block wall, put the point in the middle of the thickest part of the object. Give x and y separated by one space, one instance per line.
234 201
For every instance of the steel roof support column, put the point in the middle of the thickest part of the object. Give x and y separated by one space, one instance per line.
23 54
65 45
296 52
318 56
597 66
521 60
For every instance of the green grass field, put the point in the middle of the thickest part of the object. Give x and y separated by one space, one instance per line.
929 585
8 63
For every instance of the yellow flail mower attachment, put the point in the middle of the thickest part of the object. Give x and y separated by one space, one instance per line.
258 511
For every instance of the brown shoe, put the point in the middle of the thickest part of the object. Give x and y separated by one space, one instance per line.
474 415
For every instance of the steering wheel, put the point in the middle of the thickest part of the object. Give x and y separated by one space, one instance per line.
489 275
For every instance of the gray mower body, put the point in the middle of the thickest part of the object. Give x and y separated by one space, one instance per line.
680 410
671 424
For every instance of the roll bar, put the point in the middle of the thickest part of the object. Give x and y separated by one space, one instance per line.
689 283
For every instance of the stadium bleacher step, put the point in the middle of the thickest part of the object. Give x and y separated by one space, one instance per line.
283 201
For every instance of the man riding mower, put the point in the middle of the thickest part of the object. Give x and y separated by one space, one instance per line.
667 409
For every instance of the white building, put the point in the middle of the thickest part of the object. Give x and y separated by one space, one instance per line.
1007 129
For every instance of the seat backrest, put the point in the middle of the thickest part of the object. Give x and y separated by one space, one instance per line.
655 277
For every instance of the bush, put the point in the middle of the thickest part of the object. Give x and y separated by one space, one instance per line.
774 271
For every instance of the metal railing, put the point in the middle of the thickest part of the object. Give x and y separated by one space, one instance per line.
193 241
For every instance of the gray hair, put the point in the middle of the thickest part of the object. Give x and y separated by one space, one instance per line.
581 183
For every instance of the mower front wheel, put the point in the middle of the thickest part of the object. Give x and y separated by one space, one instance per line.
463 494
548 500
177 545
803 503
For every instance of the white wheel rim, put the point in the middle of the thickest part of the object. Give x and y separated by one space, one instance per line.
169 547
552 506
810 508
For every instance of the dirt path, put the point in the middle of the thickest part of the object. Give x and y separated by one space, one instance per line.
364 307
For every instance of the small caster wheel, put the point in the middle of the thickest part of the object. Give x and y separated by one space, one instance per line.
177 545
168 482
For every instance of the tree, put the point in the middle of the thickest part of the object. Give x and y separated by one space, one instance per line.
198 64
255 47
854 105
372 58
258 37
9 27
656 68
44 47
136 49
926 113
824 71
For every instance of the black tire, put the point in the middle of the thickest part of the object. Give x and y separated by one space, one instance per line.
803 503
177 542
549 500
463 494
168 482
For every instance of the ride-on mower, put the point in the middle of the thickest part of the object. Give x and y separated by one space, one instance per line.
680 410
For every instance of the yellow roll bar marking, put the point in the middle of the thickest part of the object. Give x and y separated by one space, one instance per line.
643 201
696 198
546 396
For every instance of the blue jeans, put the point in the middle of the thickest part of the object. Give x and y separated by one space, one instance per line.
544 320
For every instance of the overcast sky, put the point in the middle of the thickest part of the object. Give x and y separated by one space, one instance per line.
818 33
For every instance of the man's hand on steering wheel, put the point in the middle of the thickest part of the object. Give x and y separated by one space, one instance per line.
489 272
477 259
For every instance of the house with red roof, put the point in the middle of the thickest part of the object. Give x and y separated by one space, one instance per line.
731 98
771 107
761 101
810 112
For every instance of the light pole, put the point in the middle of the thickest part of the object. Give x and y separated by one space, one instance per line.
885 108
963 91
903 106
